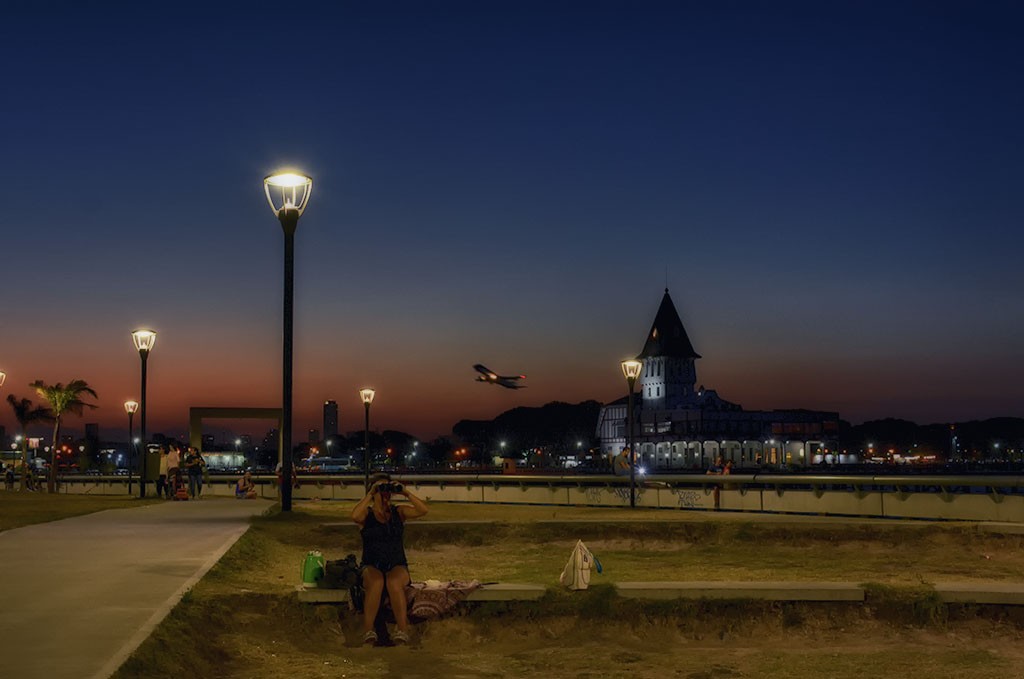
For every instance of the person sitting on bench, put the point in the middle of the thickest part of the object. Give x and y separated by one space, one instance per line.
384 562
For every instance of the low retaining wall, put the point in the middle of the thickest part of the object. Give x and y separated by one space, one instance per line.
964 498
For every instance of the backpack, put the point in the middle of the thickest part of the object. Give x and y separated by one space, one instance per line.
345 574
576 574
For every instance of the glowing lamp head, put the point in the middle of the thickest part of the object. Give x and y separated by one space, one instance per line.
631 368
367 395
144 340
3 376
288 191
131 406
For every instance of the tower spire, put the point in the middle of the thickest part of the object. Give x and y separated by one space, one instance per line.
667 336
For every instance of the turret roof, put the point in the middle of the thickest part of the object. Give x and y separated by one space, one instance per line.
668 336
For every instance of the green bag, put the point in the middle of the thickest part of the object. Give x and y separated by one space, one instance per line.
312 568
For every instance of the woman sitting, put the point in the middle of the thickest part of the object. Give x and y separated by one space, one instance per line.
245 489
384 564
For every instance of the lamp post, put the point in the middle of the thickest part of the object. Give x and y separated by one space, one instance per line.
631 369
288 193
367 396
130 407
3 376
144 341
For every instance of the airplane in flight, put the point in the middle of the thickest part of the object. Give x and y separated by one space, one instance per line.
491 377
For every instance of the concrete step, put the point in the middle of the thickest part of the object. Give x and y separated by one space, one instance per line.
505 591
765 591
1005 593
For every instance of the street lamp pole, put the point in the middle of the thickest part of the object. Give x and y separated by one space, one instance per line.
631 369
130 407
144 341
367 396
288 193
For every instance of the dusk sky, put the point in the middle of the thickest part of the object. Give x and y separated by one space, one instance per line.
832 192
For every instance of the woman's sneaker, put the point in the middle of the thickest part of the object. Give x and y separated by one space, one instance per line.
400 637
370 637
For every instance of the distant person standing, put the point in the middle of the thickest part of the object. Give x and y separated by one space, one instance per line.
718 469
161 480
195 465
173 469
9 476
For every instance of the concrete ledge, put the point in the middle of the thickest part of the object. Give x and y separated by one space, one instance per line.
1007 593
506 591
765 591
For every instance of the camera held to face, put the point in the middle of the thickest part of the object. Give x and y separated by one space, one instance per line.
390 487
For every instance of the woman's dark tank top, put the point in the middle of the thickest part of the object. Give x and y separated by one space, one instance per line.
382 542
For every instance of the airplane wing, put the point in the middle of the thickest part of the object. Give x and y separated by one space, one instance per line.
485 371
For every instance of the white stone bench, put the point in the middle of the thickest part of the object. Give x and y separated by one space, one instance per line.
765 591
1000 593
505 591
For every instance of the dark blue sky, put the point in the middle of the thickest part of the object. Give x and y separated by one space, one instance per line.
832 188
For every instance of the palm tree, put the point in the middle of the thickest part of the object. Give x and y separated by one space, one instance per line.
62 399
26 413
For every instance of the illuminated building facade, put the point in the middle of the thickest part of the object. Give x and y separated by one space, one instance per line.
680 425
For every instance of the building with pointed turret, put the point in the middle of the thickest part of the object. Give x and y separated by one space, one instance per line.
679 425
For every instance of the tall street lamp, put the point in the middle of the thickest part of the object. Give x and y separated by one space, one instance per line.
130 407
288 193
367 396
144 341
631 369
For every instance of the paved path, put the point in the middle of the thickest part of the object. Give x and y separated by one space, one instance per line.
78 596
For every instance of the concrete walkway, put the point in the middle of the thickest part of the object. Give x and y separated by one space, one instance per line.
78 596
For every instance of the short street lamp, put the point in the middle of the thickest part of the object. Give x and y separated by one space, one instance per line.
367 396
631 369
288 193
130 407
144 341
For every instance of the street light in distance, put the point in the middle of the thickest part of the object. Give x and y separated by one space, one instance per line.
367 396
130 407
144 341
631 369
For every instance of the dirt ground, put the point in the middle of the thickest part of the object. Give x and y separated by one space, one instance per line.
271 637
243 619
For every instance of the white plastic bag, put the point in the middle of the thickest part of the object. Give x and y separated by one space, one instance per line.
576 574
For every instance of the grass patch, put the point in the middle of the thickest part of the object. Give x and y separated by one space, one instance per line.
19 509
917 605
243 619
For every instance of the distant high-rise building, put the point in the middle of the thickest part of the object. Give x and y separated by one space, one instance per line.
314 435
92 438
208 441
246 440
330 420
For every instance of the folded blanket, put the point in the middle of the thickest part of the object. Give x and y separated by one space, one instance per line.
433 598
